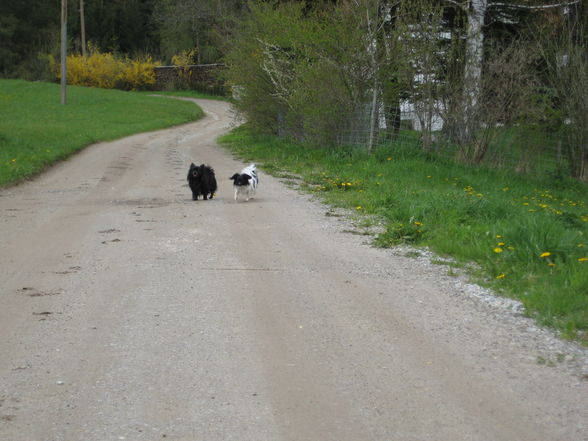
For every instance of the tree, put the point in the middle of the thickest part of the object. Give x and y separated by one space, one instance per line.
563 49
476 12
420 59
27 28
195 24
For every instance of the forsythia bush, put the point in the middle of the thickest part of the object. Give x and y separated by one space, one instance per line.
108 72
184 58
137 74
184 74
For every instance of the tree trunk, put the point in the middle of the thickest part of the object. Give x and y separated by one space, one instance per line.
375 111
374 119
83 28
63 51
473 68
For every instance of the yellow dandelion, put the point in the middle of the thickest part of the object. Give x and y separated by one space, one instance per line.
501 276
501 244
583 259
551 264
498 250
389 158
545 254
498 236
359 207
418 224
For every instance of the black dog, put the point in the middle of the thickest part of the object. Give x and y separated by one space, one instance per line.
202 181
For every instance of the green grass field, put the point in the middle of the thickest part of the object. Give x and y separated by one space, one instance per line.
527 237
36 130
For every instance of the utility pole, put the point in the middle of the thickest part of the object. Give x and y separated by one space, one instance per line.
63 51
83 28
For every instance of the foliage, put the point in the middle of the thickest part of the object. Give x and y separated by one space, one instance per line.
563 49
183 60
304 72
198 25
32 27
509 86
36 131
418 38
107 71
527 237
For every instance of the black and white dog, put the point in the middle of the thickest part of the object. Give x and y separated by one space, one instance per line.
202 181
245 183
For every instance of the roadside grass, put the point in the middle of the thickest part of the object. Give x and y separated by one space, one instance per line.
527 236
36 130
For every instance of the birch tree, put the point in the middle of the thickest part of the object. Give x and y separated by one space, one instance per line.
476 12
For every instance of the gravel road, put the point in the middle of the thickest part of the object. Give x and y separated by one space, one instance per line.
130 312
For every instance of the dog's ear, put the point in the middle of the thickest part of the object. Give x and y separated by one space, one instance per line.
235 176
246 176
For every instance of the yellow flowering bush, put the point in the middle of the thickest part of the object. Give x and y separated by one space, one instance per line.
106 71
137 74
185 58
183 61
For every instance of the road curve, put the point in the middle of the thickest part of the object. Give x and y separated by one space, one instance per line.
129 311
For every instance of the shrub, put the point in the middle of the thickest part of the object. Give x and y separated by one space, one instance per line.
107 71
183 79
137 74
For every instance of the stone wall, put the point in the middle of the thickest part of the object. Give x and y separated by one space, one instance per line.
202 77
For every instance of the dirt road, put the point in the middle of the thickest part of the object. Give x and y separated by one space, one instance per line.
129 311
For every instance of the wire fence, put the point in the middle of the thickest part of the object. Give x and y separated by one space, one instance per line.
530 150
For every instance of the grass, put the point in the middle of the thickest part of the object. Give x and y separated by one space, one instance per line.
528 236
36 130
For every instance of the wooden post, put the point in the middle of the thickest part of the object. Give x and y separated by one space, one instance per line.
83 28
63 51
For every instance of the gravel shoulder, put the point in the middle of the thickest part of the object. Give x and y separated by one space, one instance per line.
129 311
